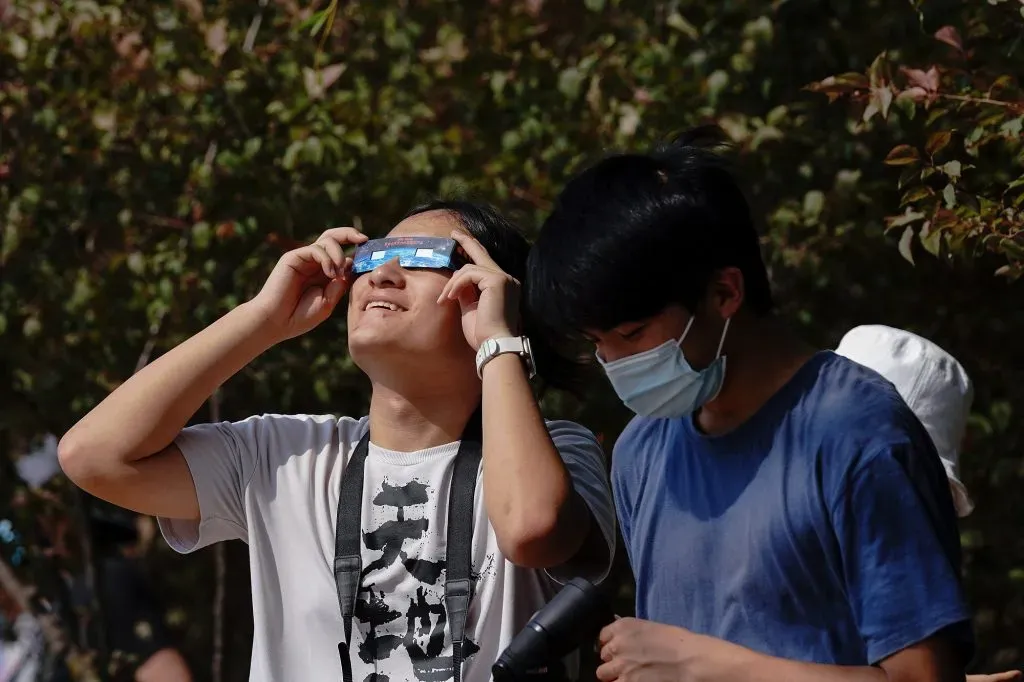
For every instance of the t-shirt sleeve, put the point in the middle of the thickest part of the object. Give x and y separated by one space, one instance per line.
584 459
221 458
900 558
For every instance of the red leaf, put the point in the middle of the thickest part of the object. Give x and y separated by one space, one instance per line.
226 230
929 80
916 95
217 37
950 36
127 44
642 96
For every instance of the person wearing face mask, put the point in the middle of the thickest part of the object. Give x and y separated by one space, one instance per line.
409 544
785 514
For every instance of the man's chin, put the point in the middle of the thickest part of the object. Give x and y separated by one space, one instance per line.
376 343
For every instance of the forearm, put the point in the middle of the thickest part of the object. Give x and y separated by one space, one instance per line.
144 414
928 661
537 516
754 667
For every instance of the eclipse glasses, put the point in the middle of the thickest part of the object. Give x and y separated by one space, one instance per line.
436 253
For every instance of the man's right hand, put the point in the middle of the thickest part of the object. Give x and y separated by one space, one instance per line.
123 451
307 283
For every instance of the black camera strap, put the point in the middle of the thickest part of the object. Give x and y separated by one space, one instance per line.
458 585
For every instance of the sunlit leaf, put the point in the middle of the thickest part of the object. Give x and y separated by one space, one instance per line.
950 36
905 244
937 142
902 155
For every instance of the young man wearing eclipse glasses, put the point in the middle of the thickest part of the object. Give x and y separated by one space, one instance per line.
446 515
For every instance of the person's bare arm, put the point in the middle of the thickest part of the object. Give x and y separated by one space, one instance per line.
539 519
166 665
639 649
122 451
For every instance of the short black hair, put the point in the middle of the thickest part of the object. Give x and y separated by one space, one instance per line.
637 232
508 246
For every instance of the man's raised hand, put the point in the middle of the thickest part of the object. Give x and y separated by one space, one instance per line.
307 283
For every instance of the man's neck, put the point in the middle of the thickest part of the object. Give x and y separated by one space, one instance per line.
761 358
407 423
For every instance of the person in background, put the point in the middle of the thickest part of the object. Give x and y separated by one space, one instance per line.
932 382
786 516
142 649
542 506
22 647
937 389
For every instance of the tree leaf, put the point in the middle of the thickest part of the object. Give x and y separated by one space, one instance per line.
569 82
906 242
931 239
217 37
949 196
314 23
926 80
908 217
878 103
902 155
316 81
937 142
909 174
916 194
814 203
846 82
952 169
679 23
950 36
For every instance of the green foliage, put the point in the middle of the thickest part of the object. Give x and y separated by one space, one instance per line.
962 175
156 158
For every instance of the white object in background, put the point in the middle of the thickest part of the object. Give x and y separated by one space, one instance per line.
930 380
40 465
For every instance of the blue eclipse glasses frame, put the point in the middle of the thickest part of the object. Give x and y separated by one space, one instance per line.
435 253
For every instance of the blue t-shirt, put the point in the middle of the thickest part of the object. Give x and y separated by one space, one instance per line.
821 530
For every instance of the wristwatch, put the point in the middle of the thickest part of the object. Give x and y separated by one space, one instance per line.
492 348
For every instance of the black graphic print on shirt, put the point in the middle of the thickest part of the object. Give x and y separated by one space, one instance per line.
406 632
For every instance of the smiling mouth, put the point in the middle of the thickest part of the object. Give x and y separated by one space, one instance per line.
383 305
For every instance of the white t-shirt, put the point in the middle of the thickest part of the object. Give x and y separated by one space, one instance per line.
273 481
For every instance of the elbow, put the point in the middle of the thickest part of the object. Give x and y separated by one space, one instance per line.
76 461
69 455
534 541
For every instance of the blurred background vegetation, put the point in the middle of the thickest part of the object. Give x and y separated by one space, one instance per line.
156 158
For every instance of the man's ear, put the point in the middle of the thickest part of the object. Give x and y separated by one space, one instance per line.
726 292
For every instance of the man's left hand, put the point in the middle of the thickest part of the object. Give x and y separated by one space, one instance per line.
487 295
641 651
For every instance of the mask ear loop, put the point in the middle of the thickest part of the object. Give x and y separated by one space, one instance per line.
686 331
721 341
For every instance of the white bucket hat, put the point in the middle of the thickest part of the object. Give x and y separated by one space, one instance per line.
931 382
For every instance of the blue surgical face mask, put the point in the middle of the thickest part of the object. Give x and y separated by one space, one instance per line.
660 382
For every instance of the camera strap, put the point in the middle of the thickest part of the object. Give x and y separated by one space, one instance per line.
458 585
